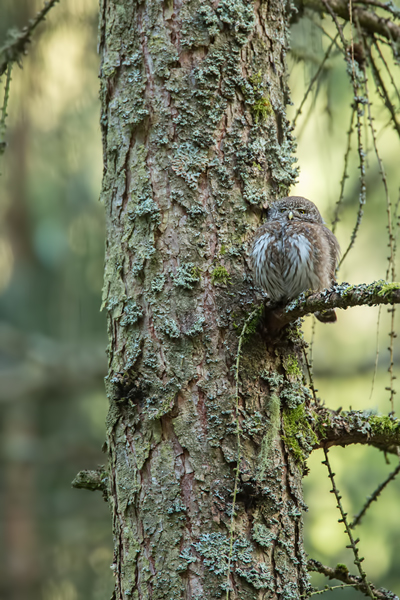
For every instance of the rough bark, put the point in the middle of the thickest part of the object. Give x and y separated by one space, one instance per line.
196 143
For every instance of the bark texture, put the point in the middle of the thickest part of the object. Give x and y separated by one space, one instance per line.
196 143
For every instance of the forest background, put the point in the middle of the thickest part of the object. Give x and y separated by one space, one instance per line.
56 541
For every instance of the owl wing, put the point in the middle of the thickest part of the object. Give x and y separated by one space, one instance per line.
334 250
266 259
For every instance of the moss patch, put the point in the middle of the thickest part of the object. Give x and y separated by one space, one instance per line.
383 424
261 109
298 436
220 275
292 367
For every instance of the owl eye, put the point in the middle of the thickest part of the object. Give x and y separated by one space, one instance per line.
301 211
282 210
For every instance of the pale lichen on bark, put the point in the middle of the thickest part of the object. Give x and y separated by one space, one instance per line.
196 142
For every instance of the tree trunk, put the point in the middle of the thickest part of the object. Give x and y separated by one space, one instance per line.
196 143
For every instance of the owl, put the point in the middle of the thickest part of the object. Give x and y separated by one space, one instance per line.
294 252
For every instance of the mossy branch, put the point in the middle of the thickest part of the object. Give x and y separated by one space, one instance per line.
369 20
356 427
91 480
16 46
338 296
341 573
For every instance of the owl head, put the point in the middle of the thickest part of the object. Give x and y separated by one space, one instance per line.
294 208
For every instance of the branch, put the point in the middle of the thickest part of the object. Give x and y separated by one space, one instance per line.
374 496
341 573
92 480
338 296
356 427
369 21
16 46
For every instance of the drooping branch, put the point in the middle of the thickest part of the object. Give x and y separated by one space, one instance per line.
356 427
374 496
16 46
368 20
338 296
341 573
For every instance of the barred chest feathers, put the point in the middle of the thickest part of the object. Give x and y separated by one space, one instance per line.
284 264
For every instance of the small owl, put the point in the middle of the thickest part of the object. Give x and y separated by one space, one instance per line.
294 252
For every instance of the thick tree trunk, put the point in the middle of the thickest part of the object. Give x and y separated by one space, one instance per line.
196 143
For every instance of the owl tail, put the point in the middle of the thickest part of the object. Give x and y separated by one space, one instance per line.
326 316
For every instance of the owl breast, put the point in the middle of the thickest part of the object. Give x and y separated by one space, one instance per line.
284 262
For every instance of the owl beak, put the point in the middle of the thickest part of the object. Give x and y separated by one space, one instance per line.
290 216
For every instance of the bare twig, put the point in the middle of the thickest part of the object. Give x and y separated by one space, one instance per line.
359 101
353 542
313 80
341 573
380 86
391 260
4 110
335 219
374 496
13 49
396 89
238 458
332 588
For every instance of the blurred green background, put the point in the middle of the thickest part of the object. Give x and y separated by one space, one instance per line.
56 541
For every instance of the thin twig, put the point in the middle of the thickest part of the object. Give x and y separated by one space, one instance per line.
391 258
313 80
237 470
392 81
331 588
335 219
308 359
380 86
4 110
353 542
338 26
373 497
376 352
11 51
362 198
358 102
341 573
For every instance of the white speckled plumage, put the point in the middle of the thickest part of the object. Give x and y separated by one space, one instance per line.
294 251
